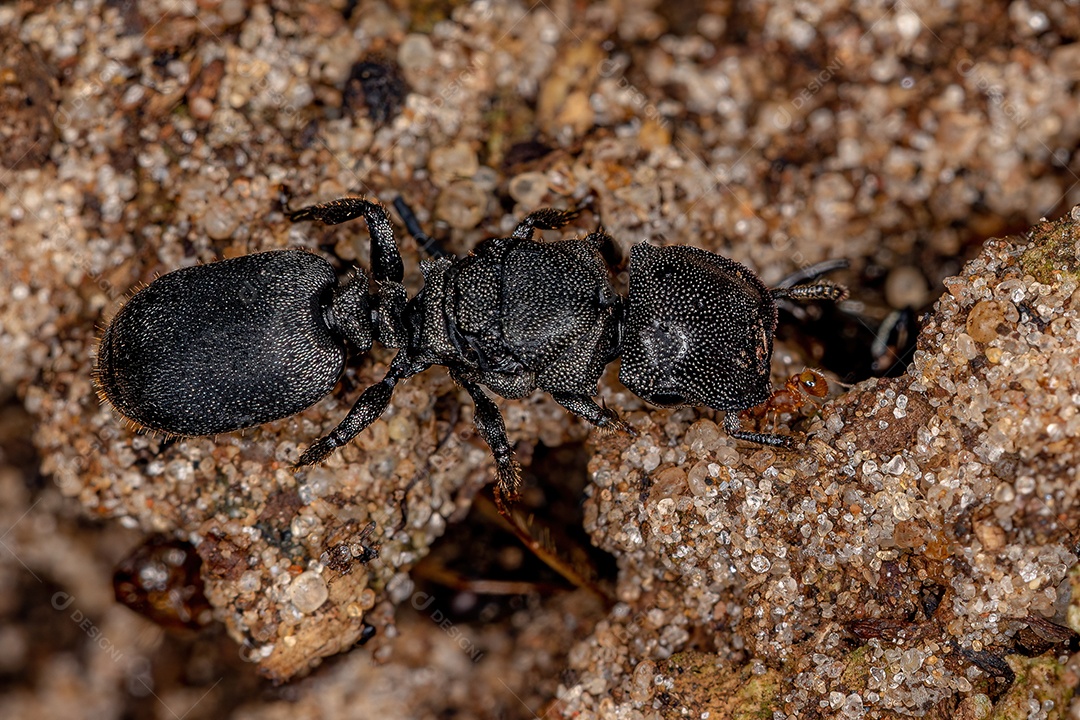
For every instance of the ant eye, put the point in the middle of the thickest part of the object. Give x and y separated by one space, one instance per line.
668 399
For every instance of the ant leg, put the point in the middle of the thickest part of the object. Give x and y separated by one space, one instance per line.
607 247
733 428
385 260
490 425
820 290
599 415
386 265
544 219
372 403
427 243
805 284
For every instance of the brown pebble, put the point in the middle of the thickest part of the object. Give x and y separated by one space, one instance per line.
983 320
462 205
906 287
762 459
668 483
204 89
529 188
990 535
28 106
457 161
654 134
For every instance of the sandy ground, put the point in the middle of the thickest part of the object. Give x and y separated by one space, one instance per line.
884 568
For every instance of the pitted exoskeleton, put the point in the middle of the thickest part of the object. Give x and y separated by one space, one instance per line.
699 331
241 342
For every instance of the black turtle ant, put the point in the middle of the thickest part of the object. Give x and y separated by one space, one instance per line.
241 342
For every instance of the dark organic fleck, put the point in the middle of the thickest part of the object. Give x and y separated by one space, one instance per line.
161 580
376 83
366 634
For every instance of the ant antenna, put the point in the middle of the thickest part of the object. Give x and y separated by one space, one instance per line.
803 285
812 272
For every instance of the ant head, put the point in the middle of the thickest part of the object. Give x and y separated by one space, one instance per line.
698 330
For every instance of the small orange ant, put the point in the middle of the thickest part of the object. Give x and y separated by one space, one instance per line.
799 390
